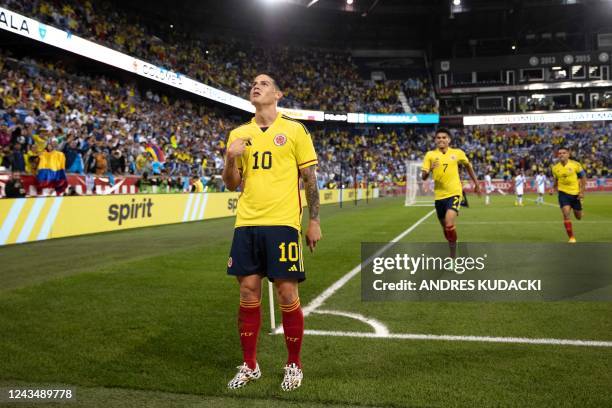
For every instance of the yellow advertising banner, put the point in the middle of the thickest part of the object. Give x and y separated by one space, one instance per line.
35 219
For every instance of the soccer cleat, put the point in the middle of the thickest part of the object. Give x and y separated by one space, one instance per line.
244 376
572 240
293 377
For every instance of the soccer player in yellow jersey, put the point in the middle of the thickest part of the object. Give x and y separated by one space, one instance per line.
443 163
570 181
267 156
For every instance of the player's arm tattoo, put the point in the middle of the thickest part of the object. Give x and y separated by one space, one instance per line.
232 175
309 177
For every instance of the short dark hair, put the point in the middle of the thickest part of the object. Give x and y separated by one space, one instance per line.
443 130
563 147
274 82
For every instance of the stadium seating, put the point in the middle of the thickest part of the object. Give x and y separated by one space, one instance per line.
497 151
311 78
110 128
94 118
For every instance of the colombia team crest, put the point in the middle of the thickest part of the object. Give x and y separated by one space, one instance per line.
280 139
453 157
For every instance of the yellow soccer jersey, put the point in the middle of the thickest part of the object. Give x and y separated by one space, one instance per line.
270 168
447 182
567 176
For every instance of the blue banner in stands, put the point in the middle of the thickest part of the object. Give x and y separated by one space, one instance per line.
405 118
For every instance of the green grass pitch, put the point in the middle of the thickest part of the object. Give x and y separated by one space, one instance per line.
148 318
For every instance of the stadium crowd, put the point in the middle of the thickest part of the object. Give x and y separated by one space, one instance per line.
420 94
380 153
311 78
102 127
105 128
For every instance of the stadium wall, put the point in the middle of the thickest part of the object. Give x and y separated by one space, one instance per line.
35 219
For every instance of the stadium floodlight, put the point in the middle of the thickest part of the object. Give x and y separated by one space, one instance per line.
457 2
312 3
349 2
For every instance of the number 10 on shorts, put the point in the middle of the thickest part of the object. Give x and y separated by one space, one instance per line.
292 250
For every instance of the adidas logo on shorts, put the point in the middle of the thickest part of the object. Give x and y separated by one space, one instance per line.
293 269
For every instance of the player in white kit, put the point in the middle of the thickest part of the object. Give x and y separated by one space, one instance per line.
488 188
519 187
540 183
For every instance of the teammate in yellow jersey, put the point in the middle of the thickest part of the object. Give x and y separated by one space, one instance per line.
443 163
570 181
267 156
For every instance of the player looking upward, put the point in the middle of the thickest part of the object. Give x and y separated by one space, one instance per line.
540 182
443 163
570 181
267 156
519 187
488 188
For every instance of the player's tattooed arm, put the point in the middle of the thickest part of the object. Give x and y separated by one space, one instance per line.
309 177
313 233
232 176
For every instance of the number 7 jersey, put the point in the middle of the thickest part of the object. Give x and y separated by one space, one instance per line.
270 168
447 182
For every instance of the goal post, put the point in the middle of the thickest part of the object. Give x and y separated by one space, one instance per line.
418 192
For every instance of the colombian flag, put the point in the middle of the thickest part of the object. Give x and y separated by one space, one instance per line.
156 152
52 171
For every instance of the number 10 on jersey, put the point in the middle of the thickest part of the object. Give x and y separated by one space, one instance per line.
266 160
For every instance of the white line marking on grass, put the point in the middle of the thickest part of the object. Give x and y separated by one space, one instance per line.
379 328
443 337
327 293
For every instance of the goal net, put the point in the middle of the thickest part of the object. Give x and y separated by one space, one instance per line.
418 192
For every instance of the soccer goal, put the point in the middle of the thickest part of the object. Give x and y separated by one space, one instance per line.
418 192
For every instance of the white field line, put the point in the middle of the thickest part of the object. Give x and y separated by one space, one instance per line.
444 337
382 332
327 293
379 328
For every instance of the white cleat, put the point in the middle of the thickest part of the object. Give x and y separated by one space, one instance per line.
293 377
244 376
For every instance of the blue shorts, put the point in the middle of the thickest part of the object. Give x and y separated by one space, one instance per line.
445 204
271 251
571 200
